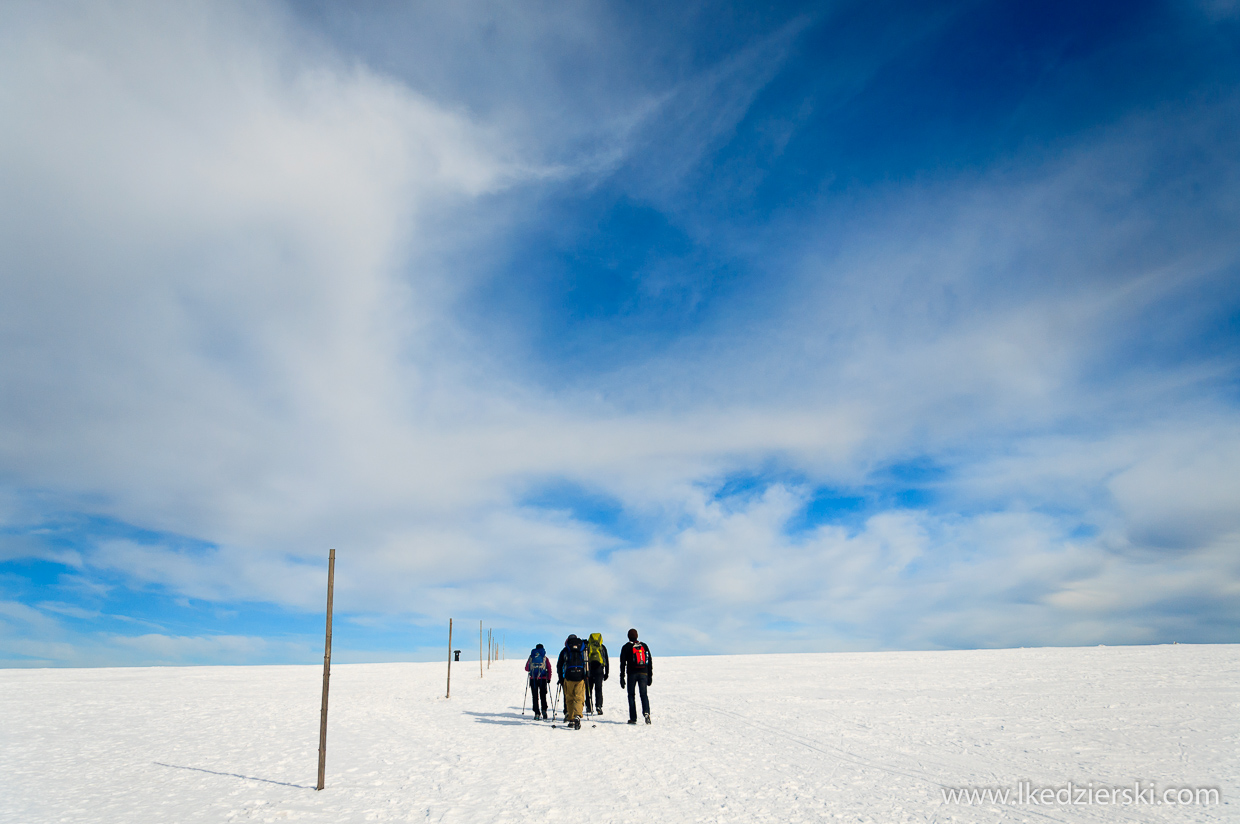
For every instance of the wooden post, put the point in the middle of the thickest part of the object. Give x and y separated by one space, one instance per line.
449 692
480 649
327 668
490 649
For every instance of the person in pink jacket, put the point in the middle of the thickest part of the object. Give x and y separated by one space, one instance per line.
539 669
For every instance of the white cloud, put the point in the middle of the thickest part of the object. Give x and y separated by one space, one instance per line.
230 315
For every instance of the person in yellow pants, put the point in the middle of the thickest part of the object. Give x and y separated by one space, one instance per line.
573 670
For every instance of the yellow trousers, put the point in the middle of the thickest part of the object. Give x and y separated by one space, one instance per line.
574 698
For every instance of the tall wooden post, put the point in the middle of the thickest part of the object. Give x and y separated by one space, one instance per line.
327 668
480 649
449 693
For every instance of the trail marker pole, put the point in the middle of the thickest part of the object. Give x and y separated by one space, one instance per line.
327 668
480 649
449 692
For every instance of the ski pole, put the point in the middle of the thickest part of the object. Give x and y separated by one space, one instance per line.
523 694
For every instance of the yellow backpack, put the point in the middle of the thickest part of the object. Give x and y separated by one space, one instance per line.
595 646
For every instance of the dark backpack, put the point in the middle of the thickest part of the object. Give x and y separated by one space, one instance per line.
575 664
641 655
538 665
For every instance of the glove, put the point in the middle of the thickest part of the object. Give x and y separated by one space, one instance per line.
649 680
561 682
604 676
621 682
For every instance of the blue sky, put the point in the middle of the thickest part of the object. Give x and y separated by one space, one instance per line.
778 327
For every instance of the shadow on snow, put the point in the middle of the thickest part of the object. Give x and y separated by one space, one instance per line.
497 717
234 775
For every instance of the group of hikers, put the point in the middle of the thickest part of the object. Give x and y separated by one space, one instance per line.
580 671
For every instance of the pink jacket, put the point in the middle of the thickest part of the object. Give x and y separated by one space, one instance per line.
545 674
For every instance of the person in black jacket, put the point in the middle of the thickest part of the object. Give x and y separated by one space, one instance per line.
573 669
600 669
635 658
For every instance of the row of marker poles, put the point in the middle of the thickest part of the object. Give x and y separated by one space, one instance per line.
496 650
496 647
448 692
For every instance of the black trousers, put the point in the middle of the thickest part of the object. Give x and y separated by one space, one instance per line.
596 687
539 690
638 681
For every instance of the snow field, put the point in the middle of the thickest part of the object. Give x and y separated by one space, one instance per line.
773 738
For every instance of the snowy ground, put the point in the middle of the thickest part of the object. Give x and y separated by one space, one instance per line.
843 737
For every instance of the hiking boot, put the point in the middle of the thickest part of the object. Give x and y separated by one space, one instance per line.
576 723
647 717
598 710
633 721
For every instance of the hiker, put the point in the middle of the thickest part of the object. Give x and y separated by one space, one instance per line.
636 659
589 710
571 667
600 668
539 669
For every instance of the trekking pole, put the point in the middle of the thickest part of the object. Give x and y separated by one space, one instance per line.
527 689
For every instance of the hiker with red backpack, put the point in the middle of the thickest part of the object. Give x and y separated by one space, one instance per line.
635 658
600 668
539 669
572 669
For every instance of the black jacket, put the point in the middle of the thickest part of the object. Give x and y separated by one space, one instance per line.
563 662
629 663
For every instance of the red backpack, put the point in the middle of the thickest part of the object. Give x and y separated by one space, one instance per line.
641 655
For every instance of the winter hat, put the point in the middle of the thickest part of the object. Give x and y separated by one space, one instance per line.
540 646
570 640
632 635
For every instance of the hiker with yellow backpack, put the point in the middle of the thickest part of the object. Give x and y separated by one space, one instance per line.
600 668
